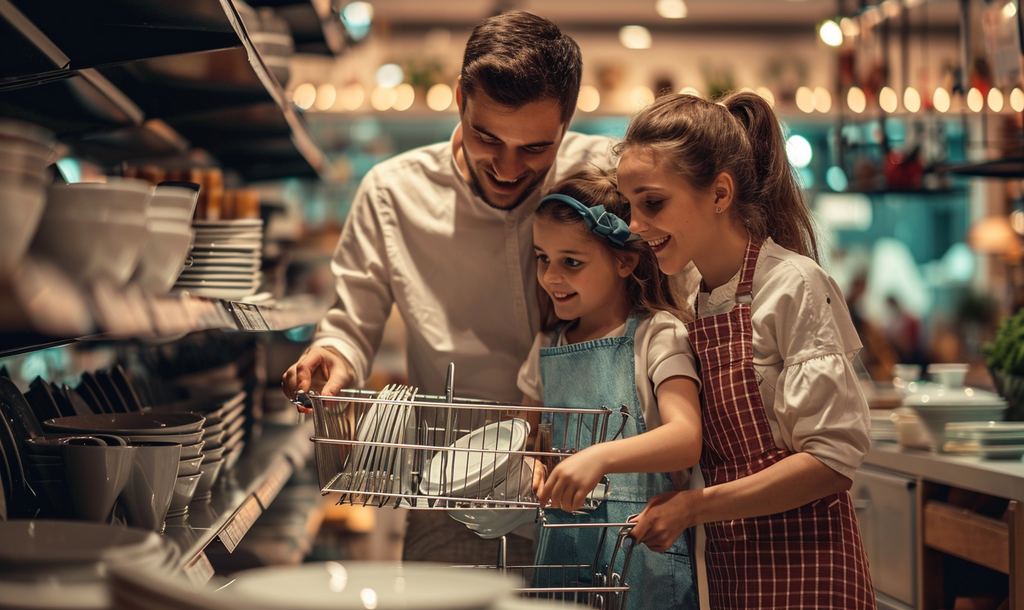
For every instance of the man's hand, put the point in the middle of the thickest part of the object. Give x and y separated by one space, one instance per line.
321 369
663 520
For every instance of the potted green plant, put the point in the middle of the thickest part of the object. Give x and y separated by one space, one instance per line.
1004 357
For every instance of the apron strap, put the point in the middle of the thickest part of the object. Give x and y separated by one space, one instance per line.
744 288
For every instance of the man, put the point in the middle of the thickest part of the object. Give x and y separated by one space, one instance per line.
444 233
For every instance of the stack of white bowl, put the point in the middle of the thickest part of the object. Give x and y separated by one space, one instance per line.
169 238
64 564
95 231
928 407
25 154
225 259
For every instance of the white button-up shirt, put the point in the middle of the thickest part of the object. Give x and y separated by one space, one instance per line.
461 273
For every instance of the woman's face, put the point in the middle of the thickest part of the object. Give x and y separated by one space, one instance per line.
673 217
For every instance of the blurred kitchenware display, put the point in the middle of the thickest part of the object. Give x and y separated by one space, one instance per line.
945 401
359 585
26 151
989 439
64 564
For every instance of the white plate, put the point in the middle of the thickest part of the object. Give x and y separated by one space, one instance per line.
222 258
209 276
386 421
226 244
357 586
475 472
216 292
228 234
200 283
240 222
238 269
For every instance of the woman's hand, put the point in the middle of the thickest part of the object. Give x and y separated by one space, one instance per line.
664 519
572 480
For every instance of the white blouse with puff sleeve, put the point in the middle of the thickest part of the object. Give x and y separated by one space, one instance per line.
804 345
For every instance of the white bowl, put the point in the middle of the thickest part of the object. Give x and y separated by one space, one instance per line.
118 196
20 211
162 260
361 585
25 156
173 202
90 250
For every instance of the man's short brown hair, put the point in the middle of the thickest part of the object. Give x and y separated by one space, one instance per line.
517 58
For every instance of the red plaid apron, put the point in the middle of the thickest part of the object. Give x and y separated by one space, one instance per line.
808 557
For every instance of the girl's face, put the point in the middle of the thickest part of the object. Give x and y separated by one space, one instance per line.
674 218
583 277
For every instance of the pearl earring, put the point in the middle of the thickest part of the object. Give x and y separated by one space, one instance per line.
718 209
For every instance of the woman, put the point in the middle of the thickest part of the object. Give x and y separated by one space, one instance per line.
784 421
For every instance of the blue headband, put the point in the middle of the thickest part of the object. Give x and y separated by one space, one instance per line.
598 220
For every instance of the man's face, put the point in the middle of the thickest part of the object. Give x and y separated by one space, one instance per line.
508 151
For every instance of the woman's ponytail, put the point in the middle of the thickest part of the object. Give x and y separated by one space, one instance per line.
786 217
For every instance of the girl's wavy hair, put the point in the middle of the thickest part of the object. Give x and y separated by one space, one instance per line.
648 288
738 134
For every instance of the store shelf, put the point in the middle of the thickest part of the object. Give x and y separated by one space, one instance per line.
102 74
130 314
315 26
100 33
1012 167
238 502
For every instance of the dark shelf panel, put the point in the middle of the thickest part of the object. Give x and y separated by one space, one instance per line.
115 31
28 54
1012 167
313 33
83 103
187 64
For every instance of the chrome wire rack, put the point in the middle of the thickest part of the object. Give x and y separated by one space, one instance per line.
595 585
401 449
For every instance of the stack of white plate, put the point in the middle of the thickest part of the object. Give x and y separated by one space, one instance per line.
225 259
883 425
989 439
63 564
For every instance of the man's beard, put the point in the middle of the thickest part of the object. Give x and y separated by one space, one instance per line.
477 185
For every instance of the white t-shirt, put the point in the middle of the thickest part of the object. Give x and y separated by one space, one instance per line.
661 350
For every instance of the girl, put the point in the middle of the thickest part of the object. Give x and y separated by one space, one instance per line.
618 344
784 420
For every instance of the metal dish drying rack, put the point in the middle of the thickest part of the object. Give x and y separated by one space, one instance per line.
401 449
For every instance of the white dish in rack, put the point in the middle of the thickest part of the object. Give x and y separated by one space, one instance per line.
475 473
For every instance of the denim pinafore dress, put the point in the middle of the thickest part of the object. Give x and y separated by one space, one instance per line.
594 374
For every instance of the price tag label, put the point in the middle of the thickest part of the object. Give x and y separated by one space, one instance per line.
248 316
237 527
281 471
199 571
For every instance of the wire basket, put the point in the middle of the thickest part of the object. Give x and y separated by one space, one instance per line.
595 585
401 449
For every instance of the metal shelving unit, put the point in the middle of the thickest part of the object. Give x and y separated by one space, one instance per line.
121 81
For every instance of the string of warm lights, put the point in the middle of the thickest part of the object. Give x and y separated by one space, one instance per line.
391 92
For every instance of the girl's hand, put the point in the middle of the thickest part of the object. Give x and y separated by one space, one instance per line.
572 479
540 473
664 519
